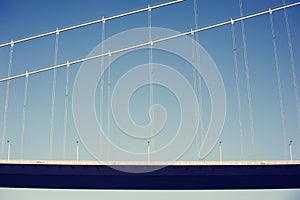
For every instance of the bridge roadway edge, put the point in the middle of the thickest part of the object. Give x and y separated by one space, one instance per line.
172 177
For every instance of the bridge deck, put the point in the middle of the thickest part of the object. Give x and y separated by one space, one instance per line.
163 163
179 175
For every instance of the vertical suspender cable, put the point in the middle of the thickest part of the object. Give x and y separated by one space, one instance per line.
150 76
296 91
199 76
66 110
198 82
108 102
24 117
237 85
248 80
195 74
102 68
102 80
279 84
195 78
53 97
7 99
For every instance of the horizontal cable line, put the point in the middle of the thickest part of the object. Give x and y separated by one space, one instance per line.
57 31
109 53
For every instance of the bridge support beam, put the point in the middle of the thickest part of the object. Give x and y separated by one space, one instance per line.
187 177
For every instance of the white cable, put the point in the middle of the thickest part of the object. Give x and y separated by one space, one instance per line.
279 86
102 81
237 85
296 91
148 43
24 118
66 111
195 74
247 81
7 99
195 89
53 98
108 104
151 89
92 22
198 81
102 78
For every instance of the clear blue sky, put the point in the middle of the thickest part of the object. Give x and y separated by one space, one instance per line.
19 19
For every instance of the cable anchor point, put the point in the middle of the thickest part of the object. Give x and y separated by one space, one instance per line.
192 32
232 21
57 31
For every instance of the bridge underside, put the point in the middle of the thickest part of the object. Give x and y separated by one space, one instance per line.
179 177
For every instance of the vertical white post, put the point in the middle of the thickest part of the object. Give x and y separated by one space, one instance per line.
77 152
148 150
8 150
291 153
220 151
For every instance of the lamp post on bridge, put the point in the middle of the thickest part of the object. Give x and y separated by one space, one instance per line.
77 151
291 153
220 151
148 151
8 150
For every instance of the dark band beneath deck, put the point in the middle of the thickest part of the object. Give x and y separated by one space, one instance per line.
171 177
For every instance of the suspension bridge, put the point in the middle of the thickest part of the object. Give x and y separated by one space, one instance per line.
49 154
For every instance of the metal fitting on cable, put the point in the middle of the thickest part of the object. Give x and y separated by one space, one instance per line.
232 21
57 31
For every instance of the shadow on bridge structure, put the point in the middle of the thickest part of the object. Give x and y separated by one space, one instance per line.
180 175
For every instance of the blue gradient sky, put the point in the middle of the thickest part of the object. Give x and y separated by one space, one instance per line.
19 19
35 17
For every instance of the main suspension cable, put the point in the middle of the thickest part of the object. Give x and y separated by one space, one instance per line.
148 43
92 22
